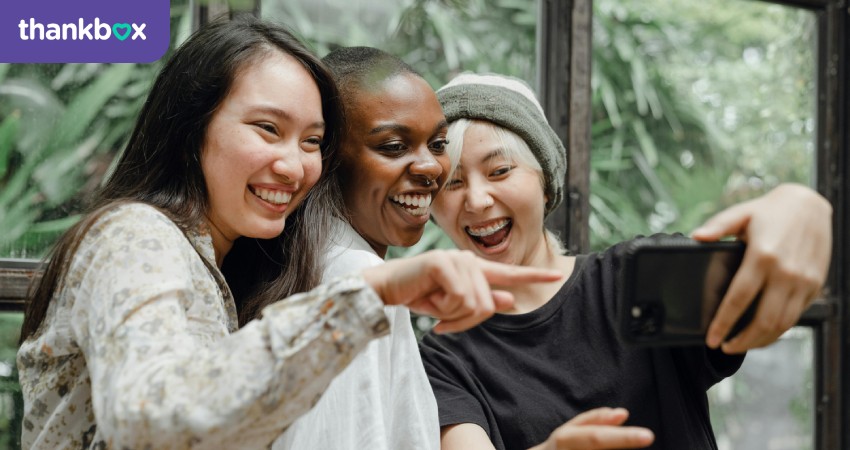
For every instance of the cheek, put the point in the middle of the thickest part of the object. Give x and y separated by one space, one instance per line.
445 164
445 209
312 164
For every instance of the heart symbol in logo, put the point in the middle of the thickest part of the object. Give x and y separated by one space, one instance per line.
121 26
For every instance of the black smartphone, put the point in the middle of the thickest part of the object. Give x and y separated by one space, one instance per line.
671 287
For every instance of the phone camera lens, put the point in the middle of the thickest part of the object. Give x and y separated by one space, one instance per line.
646 319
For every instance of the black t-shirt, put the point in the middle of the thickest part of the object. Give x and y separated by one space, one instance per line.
521 376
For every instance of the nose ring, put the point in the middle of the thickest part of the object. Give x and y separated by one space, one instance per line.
428 181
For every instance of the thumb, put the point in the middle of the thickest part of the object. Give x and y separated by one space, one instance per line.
731 221
601 416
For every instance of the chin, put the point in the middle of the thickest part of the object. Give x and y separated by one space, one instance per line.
409 240
268 231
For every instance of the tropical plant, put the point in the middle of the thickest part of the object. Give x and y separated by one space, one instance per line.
61 127
697 105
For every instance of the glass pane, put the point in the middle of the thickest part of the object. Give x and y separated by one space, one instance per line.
61 126
439 39
696 106
769 403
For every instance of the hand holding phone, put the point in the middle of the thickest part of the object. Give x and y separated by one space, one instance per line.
671 287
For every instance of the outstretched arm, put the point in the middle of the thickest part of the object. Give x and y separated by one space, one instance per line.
451 285
788 232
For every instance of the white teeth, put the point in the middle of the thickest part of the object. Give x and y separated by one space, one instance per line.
417 200
489 229
418 211
274 197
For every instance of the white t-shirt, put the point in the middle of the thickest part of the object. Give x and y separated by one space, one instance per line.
383 400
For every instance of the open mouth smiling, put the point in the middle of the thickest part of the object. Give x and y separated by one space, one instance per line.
415 204
272 196
490 234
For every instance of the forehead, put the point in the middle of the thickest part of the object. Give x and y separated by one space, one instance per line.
480 141
276 77
400 97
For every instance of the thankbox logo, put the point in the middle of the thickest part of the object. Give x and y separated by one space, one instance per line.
74 31
83 31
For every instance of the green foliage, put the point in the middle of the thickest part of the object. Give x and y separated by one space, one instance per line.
695 106
61 127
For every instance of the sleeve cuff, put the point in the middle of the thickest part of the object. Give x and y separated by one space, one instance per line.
363 300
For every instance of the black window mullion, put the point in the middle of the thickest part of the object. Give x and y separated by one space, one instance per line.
564 57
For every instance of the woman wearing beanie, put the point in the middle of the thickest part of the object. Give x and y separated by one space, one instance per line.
552 373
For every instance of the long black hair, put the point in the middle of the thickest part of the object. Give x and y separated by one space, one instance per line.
161 166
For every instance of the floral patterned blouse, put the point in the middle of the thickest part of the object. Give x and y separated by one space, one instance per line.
140 349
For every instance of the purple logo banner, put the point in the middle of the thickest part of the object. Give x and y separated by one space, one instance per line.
83 31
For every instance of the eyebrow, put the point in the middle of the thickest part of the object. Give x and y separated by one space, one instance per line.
493 154
284 115
390 127
403 128
443 124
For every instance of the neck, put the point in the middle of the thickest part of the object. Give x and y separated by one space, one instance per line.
381 250
221 243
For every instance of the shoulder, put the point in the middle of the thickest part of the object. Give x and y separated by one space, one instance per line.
347 252
342 258
451 348
128 218
135 221
134 229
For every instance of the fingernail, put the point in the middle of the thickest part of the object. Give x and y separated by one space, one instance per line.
699 230
712 341
616 411
645 435
731 347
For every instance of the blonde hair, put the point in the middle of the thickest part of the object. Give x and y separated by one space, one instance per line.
511 147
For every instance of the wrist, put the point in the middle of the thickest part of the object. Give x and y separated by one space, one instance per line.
372 277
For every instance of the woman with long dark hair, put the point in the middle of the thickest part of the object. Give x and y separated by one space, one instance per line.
131 339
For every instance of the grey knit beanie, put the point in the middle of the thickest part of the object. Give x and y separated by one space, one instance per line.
509 103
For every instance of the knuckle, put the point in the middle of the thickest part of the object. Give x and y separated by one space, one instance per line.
778 326
562 437
595 439
738 303
449 255
488 309
788 322
788 271
761 326
768 257
812 279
